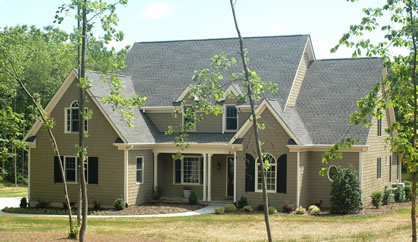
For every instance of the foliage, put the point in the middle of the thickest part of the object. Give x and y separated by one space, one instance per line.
288 207
408 192
193 198
312 207
387 196
377 199
23 203
345 192
243 201
399 194
314 210
156 193
272 210
247 208
97 206
230 208
119 204
74 231
260 207
43 204
300 210
219 210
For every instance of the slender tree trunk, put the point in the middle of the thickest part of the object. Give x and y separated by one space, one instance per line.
255 127
81 129
79 202
15 166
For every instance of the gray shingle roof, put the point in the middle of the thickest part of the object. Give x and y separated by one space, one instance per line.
329 95
162 70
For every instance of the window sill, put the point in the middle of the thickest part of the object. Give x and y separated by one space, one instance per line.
267 191
139 183
187 184
231 131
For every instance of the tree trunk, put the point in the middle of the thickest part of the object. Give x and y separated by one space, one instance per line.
79 202
255 127
15 166
81 129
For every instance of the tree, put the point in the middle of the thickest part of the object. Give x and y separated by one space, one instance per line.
399 87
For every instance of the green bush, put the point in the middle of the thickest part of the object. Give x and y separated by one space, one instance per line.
75 231
377 199
119 204
408 192
272 210
314 210
219 210
311 208
288 207
386 196
230 208
23 202
97 206
193 198
399 194
346 192
243 201
300 210
248 208
157 193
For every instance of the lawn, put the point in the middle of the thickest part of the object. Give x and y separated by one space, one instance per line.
9 190
238 227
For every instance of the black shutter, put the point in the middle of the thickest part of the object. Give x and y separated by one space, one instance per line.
57 169
93 170
249 173
282 174
177 168
201 170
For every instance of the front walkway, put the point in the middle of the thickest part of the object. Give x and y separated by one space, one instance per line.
14 202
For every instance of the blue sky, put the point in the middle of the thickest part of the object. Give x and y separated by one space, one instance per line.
147 20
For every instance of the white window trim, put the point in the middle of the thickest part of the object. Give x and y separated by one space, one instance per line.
76 169
182 119
329 178
66 116
224 119
257 166
142 169
182 172
379 178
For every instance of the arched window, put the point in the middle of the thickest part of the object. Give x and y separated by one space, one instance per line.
72 118
270 174
332 173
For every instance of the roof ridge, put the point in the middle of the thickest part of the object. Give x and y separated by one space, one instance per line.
112 74
348 58
225 38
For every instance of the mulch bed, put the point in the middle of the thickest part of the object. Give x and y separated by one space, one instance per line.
384 209
155 208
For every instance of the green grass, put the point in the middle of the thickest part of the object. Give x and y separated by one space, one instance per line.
8 189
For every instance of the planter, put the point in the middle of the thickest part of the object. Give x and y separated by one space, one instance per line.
187 193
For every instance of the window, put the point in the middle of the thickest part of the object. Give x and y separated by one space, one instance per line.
379 127
332 173
188 171
189 118
70 166
379 168
72 118
270 174
140 170
231 118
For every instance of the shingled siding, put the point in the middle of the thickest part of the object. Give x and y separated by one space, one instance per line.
378 148
99 143
140 193
297 83
274 140
163 120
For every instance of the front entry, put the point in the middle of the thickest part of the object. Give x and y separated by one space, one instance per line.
230 176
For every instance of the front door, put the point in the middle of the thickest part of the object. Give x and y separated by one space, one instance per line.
230 176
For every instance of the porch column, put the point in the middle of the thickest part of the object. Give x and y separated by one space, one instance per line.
209 176
235 176
204 176
155 169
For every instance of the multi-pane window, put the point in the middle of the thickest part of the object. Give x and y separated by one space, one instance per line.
231 118
189 118
270 174
379 127
70 164
188 171
73 118
379 168
139 170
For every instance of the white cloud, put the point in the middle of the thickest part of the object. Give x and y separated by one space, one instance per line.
156 10
118 45
274 29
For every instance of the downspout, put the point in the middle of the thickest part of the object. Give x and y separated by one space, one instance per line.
297 178
125 171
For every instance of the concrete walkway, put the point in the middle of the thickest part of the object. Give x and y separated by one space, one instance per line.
14 202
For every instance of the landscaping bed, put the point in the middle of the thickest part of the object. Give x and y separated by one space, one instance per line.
146 209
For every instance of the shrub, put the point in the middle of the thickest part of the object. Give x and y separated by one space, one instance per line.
260 207
408 193
42 204
97 206
272 210
377 199
229 208
156 193
193 198
219 210
119 204
248 208
288 207
400 194
314 210
243 201
300 210
346 192
386 196
23 202
75 231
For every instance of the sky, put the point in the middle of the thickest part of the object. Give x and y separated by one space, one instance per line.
163 20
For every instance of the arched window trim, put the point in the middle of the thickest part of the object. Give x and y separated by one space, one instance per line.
68 115
329 168
272 171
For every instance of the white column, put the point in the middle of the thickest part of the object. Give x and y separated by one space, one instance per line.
360 172
209 176
204 176
155 169
235 176
29 176
297 178
125 172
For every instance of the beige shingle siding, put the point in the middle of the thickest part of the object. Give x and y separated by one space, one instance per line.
163 120
140 193
297 83
99 143
378 148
